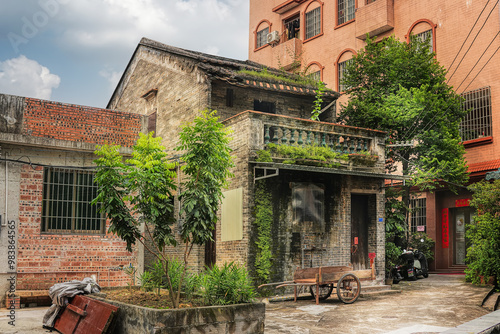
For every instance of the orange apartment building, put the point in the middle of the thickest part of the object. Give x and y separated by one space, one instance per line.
321 36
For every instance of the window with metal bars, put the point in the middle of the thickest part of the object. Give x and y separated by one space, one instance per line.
316 76
477 122
313 23
426 36
418 222
345 11
262 37
340 74
66 207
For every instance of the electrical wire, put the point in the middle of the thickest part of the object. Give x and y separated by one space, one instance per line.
477 62
470 31
470 46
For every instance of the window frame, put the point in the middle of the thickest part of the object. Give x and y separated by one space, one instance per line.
313 65
338 64
304 19
286 20
418 214
308 189
257 30
485 117
432 27
337 12
70 212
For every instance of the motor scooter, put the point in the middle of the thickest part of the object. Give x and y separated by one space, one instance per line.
412 263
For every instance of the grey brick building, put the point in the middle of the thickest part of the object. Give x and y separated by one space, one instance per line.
322 215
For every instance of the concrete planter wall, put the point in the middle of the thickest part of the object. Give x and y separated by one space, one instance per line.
240 318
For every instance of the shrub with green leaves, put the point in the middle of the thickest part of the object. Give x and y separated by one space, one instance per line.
483 256
422 242
228 284
263 220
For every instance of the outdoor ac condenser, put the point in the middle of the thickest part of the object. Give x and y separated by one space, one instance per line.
273 37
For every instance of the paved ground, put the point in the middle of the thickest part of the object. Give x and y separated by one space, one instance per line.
429 305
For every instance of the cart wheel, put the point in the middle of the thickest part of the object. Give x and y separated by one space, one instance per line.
325 291
348 288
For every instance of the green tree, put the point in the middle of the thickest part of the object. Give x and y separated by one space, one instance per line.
138 191
483 256
206 161
400 88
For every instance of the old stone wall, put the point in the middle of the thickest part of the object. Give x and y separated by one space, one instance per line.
181 92
307 245
243 99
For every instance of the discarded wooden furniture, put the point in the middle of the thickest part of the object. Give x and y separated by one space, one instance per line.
85 315
322 280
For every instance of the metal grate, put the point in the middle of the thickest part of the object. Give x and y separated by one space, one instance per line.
66 207
262 37
340 74
477 122
345 11
418 209
313 23
426 36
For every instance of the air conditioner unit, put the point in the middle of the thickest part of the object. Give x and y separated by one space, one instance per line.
273 37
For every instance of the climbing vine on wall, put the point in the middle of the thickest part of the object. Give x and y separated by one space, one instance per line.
263 222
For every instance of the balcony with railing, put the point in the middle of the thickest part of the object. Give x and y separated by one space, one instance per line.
354 150
374 18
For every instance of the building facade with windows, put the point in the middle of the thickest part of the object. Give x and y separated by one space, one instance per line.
49 231
311 205
465 38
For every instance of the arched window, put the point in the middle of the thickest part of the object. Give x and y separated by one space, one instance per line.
424 30
314 70
313 15
261 32
341 63
345 11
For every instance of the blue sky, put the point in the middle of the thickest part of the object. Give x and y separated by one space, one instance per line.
75 51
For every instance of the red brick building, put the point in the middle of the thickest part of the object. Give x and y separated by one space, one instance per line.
322 35
49 232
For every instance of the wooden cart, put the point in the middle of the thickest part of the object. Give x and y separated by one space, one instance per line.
322 280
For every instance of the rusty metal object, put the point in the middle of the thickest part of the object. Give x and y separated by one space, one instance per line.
85 315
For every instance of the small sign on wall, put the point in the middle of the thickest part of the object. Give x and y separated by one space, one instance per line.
462 202
421 228
445 228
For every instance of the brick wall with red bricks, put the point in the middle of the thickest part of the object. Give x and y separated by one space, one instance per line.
71 122
45 259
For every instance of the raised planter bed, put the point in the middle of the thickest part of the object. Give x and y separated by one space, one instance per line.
239 318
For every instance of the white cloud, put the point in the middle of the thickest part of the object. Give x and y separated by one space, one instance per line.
112 28
112 76
26 77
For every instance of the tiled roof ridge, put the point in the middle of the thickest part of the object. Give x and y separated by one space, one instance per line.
228 69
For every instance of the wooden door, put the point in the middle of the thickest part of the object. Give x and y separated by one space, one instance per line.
359 232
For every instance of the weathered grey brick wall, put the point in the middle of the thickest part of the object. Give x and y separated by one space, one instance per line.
286 103
330 245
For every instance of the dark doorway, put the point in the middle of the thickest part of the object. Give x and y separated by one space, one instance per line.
264 106
359 231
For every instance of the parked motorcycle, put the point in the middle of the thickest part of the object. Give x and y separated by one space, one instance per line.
412 263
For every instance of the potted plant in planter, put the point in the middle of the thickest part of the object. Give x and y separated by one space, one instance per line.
139 192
